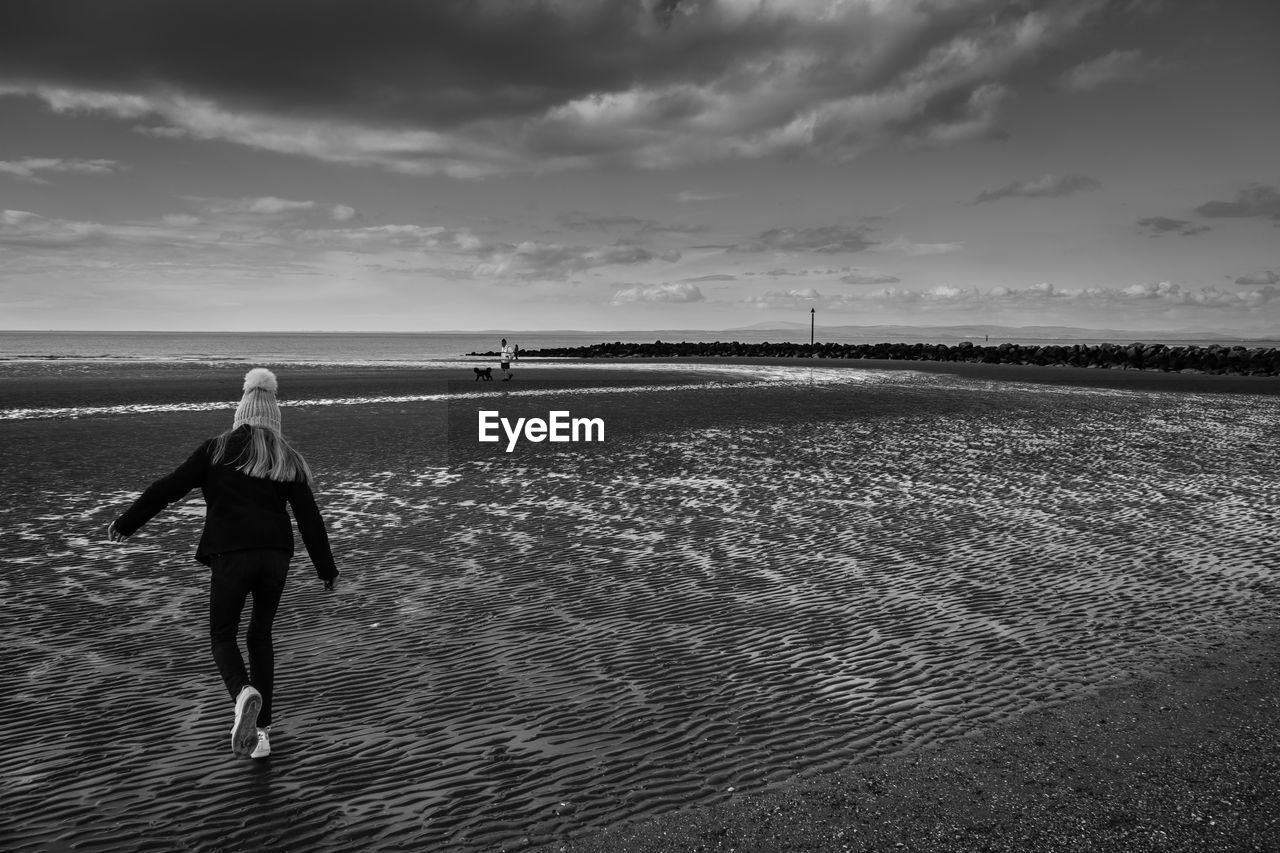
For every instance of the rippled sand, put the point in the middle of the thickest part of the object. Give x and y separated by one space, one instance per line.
742 583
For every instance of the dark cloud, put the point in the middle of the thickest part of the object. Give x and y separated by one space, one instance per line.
664 11
1158 226
716 277
645 227
475 87
816 272
1045 186
865 277
830 238
957 114
1260 277
553 261
579 220
442 63
1116 66
1254 201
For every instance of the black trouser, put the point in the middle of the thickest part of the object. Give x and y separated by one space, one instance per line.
234 577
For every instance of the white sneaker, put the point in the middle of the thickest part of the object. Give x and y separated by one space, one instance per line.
263 749
243 731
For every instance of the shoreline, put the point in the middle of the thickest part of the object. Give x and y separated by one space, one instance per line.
62 384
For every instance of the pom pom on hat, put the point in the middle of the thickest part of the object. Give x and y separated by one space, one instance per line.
262 378
258 406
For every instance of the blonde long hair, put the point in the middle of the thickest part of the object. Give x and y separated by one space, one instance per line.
266 455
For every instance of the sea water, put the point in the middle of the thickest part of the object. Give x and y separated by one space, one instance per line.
391 348
406 348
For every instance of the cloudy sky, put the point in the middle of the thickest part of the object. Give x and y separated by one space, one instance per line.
638 164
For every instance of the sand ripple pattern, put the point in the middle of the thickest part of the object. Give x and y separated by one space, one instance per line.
535 645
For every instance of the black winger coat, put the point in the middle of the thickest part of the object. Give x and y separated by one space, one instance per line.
241 512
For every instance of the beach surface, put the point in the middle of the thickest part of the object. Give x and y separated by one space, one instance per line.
1185 757
777 606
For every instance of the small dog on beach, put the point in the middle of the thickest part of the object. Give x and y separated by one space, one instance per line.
486 374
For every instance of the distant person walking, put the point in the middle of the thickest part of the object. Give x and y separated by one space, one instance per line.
509 353
249 475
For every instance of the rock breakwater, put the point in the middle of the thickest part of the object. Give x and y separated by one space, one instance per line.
1214 359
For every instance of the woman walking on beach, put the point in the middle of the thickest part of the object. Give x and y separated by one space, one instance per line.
248 475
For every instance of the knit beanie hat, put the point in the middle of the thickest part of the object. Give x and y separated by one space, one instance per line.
258 406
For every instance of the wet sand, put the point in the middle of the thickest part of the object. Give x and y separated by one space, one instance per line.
845 597
1183 759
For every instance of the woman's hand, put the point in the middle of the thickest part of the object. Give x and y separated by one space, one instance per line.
115 535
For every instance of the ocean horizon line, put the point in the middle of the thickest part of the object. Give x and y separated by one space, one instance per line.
787 327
